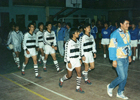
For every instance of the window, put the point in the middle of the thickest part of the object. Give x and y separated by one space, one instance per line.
32 17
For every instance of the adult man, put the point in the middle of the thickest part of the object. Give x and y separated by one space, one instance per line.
120 53
60 38
68 26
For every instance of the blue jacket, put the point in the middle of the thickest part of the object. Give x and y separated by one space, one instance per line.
139 34
106 33
93 32
61 34
119 46
134 34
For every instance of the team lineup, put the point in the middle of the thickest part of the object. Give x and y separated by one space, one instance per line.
77 47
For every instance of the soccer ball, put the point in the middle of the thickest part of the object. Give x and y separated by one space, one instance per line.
11 46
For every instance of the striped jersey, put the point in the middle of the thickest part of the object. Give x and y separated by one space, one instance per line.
39 37
87 44
72 50
49 38
29 41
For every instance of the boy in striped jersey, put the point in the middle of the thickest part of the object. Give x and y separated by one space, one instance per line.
49 39
29 46
88 51
72 59
39 41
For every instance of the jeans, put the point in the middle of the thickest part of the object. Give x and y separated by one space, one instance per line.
122 71
61 48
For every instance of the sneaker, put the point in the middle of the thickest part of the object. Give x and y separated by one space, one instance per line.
88 82
60 83
122 96
60 70
38 76
22 73
80 90
44 69
109 91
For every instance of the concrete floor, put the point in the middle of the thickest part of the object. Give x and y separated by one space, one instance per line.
14 86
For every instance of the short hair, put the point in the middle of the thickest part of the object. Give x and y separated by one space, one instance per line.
86 25
69 24
30 24
72 31
33 21
16 25
55 22
81 27
123 19
40 23
58 22
133 22
106 22
47 23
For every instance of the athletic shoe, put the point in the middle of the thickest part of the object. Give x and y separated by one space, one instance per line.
88 82
44 69
109 91
122 96
38 76
22 73
60 70
80 90
60 83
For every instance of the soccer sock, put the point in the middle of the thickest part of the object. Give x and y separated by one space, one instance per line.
44 61
104 55
136 53
23 67
56 65
63 78
36 70
78 82
42 57
89 69
86 75
14 56
18 61
134 58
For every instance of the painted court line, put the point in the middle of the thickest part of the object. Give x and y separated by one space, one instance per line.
111 66
42 87
25 88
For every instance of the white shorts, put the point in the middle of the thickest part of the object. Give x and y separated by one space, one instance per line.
75 62
41 45
48 49
134 43
17 48
32 53
89 57
105 41
138 41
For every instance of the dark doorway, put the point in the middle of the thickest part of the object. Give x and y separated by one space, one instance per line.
20 20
